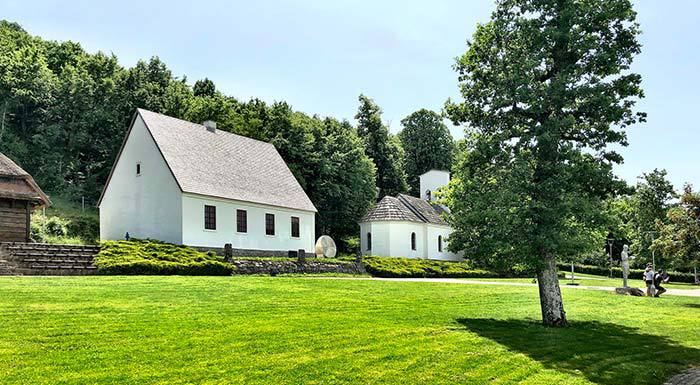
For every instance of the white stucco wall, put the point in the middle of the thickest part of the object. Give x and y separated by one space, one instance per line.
146 206
194 234
393 239
433 180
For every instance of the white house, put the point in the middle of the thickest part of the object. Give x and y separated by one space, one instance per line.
192 184
406 226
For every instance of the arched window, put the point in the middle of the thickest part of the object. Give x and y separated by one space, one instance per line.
369 241
413 241
440 243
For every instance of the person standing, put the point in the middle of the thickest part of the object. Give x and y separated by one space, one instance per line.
649 280
659 278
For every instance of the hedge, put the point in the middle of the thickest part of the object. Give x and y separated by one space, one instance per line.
617 272
389 267
150 257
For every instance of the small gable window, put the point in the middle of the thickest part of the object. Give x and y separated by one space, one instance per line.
295 227
369 241
413 241
241 221
440 243
209 217
138 169
270 224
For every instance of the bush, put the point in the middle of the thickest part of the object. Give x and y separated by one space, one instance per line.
617 272
421 268
150 257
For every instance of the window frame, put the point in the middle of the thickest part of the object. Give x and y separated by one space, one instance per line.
210 217
298 226
242 221
269 224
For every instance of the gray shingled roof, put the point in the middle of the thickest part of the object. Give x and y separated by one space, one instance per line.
225 165
404 208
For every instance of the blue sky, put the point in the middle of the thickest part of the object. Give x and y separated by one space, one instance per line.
320 55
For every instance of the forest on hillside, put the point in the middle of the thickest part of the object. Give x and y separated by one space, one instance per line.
64 113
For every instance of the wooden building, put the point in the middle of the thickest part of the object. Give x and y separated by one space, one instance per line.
19 196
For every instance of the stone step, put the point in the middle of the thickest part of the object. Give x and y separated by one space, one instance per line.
56 260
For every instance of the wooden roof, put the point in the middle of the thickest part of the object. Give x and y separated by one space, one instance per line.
15 183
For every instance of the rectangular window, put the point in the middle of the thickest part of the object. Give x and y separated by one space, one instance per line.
138 169
295 227
241 221
270 224
209 217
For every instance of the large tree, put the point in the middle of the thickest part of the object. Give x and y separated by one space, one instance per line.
679 235
546 88
427 144
652 199
384 150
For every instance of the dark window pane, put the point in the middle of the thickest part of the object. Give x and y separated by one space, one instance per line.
295 227
413 241
241 221
440 243
210 217
270 224
369 241
138 168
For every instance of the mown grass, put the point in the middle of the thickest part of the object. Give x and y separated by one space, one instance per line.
221 330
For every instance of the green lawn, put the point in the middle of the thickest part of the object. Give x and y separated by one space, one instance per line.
220 330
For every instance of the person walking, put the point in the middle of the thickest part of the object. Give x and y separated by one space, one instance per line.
659 278
649 280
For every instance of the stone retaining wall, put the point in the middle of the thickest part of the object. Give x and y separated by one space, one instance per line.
273 267
250 252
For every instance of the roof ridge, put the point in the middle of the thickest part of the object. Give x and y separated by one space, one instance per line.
402 198
201 125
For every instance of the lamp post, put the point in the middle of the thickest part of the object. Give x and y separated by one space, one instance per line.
610 245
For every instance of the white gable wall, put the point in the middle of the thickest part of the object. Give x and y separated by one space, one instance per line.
146 206
194 233
393 239
433 180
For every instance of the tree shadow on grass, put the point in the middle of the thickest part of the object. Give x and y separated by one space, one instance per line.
692 305
605 353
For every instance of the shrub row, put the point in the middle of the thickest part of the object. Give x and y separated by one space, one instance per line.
617 272
421 268
149 257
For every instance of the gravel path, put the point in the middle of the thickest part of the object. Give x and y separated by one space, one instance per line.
682 292
690 377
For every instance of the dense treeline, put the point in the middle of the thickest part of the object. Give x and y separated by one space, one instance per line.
64 113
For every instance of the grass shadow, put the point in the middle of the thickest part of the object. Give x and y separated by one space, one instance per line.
605 353
692 305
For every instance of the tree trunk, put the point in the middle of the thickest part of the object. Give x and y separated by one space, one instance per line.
695 272
550 295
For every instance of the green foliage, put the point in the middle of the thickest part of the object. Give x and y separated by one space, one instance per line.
427 144
382 147
421 268
149 257
679 235
651 201
538 90
63 112
617 272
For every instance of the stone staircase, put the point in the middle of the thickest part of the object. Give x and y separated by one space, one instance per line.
44 259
